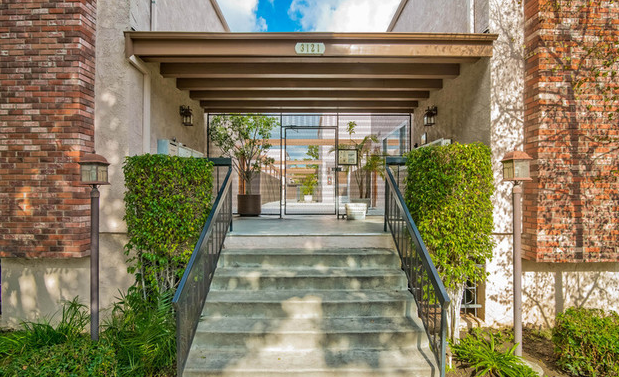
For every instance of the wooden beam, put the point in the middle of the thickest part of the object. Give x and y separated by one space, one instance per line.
336 44
282 95
312 60
306 110
306 70
308 84
241 106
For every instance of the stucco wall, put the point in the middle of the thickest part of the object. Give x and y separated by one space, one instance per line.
493 93
33 289
190 15
439 16
119 108
463 107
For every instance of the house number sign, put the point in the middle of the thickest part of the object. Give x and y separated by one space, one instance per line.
309 48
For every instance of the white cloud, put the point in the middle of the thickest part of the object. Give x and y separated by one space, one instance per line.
343 15
241 15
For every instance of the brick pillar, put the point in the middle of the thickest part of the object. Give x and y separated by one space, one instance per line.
572 130
47 73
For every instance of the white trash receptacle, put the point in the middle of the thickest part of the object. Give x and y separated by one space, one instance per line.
356 211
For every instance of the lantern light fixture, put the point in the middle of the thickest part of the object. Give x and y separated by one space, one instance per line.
429 117
93 170
516 166
187 115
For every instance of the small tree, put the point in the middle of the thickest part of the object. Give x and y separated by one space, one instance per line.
368 160
448 191
244 139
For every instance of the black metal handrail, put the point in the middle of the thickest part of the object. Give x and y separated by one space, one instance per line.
191 293
423 279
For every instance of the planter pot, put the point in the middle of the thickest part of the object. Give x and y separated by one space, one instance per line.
249 205
307 198
366 201
356 211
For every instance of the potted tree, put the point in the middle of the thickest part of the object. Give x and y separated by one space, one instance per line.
369 164
308 185
244 139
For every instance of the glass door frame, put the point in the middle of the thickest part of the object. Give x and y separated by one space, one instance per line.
285 167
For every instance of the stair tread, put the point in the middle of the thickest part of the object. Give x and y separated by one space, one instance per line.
233 325
325 295
334 251
300 272
282 360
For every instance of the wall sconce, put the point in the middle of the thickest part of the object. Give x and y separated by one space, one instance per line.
429 117
187 115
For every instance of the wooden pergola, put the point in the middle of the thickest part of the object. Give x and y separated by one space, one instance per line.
273 73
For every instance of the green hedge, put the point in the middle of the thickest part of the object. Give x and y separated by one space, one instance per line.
167 202
448 191
587 342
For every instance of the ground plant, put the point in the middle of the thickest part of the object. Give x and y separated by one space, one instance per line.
143 334
587 342
489 354
44 349
138 339
448 191
167 202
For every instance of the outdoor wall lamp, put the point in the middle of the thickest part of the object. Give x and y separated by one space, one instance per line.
187 115
429 117
516 169
93 172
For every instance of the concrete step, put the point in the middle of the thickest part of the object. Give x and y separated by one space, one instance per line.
307 334
310 303
254 362
352 258
297 278
309 242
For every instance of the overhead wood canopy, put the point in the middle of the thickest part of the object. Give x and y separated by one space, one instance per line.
268 72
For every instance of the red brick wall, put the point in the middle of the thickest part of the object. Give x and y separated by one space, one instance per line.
47 73
571 209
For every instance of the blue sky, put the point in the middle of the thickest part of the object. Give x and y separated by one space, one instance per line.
308 15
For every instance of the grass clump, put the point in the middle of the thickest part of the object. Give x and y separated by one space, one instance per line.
587 342
143 334
41 349
139 339
489 355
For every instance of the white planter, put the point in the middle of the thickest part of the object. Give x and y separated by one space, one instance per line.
356 211
307 198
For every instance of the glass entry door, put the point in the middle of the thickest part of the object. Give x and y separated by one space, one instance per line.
309 176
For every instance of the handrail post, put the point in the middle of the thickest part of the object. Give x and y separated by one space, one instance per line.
443 340
386 203
230 204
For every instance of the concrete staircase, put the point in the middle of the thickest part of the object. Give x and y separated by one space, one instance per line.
319 310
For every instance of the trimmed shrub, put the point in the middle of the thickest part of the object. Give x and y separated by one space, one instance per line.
167 202
587 342
448 191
